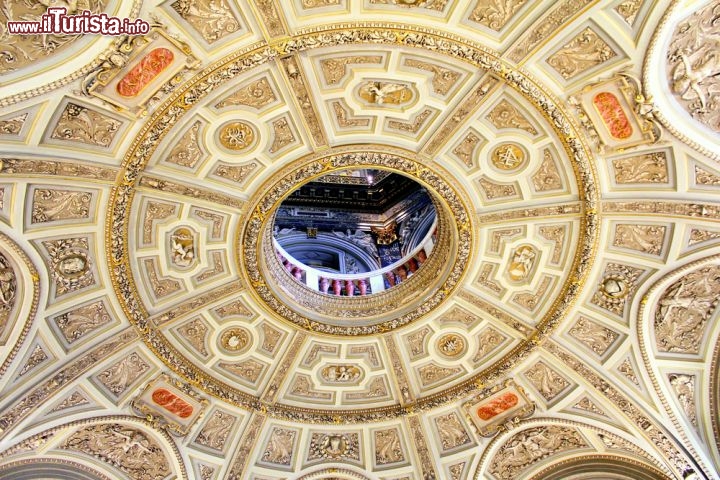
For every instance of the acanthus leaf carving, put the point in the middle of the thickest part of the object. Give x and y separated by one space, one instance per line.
506 115
438 5
215 432
495 14
546 381
594 336
580 54
388 447
465 150
280 447
705 177
335 69
642 238
13 125
213 19
187 152
50 205
443 78
120 376
628 10
195 332
81 125
256 94
82 320
451 431
37 357
547 176
645 168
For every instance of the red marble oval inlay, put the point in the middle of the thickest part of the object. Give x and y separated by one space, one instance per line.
613 115
144 72
172 403
497 405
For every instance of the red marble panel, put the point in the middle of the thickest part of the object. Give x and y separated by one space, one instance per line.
497 405
613 115
144 72
172 403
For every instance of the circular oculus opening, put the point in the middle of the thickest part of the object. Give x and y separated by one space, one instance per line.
356 243
355 232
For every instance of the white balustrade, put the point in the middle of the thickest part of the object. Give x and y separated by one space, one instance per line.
374 279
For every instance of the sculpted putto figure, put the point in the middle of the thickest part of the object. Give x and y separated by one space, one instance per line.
522 262
182 248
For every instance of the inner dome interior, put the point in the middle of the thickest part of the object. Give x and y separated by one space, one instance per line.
355 232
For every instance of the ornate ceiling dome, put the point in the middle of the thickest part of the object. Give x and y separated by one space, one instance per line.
560 312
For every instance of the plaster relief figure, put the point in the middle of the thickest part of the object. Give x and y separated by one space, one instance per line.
341 373
8 283
182 245
385 93
532 445
523 260
693 65
124 447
